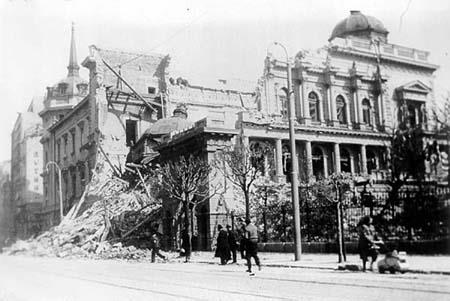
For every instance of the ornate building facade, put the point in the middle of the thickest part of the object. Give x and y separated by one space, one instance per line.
349 97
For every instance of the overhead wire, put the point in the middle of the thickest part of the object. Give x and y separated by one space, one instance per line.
163 42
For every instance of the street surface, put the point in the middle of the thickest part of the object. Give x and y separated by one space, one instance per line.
27 278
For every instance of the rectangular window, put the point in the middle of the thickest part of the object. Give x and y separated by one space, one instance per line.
151 90
131 127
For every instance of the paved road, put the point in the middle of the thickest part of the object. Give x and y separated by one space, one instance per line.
25 278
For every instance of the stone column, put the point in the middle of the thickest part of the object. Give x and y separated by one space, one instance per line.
333 111
424 117
279 159
297 98
347 114
309 167
306 115
245 141
417 112
355 106
380 109
363 160
337 158
325 165
321 117
352 163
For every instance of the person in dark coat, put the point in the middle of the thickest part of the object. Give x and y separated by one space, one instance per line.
186 244
367 243
232 242
242 241
223 248
156 246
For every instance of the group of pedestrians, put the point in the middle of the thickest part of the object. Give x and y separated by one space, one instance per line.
227 244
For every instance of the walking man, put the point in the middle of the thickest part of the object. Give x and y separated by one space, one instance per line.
232 242
156 246
252 246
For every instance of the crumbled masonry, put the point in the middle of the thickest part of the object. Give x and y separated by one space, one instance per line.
109 221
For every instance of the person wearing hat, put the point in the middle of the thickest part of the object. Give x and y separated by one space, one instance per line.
232 242
222 249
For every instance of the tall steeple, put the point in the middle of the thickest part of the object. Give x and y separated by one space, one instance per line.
73 64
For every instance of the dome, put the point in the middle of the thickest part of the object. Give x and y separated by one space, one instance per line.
359 24
165 126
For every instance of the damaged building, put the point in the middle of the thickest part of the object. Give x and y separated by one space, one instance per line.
348 95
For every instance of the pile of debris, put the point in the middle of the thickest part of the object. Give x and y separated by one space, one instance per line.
101 224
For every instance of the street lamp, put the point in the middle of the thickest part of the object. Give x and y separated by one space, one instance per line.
60 187
294 160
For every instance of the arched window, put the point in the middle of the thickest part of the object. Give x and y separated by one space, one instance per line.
340 108
317 162
366 111
313 106
284 106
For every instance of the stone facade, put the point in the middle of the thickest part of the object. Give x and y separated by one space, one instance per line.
101 126
349 96
26 168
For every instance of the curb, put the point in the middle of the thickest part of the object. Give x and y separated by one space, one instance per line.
275 265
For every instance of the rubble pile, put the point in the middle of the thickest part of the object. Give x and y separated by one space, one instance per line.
102 224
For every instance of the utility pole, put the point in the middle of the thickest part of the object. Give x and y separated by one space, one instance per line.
294 159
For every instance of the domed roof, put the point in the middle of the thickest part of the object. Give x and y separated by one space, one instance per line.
165 126
357 23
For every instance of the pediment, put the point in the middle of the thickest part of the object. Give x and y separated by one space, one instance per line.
415 86
413 91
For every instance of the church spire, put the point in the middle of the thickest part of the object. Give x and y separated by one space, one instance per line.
73 64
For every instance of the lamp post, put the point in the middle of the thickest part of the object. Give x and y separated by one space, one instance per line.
294 160
60 187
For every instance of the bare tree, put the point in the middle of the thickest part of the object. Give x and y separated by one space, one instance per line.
334 189
241 165
187 181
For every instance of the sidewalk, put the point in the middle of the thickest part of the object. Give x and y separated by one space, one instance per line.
424 264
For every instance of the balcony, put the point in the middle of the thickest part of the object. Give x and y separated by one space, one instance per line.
386 50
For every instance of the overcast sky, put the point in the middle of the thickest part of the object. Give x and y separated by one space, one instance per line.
206 39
